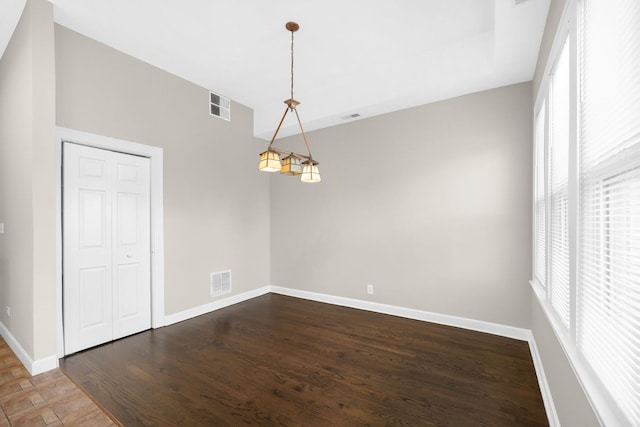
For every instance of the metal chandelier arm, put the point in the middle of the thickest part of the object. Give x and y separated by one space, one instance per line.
278 128
291 153
303 134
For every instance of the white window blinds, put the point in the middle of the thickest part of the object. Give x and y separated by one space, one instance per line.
559 186
608 289
540 199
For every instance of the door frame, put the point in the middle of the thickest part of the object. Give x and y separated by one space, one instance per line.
155 155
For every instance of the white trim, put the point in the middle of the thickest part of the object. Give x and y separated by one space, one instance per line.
214 305
34 367
155 155
409 313
59 323
43 365
443 319
545 390
564 27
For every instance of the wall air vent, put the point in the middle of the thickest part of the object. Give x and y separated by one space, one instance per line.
220 283
219 106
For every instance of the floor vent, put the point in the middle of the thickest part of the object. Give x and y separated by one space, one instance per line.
220 106
220 283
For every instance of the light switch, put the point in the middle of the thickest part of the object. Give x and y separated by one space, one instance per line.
1 227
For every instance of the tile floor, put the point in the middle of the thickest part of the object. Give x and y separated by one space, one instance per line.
48 399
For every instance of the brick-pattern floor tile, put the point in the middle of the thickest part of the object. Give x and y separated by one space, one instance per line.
49 399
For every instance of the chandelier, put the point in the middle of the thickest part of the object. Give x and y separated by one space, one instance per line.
291 163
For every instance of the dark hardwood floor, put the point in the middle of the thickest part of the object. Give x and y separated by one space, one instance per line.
282 361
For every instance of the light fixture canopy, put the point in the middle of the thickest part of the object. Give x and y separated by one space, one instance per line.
291 164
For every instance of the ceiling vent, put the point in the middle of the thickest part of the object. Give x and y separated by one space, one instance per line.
219 106
350 116
220 283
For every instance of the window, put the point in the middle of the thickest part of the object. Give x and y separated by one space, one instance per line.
587 201
559 186
540 240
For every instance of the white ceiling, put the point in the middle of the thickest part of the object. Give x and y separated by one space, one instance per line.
358 56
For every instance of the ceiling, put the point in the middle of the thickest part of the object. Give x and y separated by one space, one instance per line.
365 57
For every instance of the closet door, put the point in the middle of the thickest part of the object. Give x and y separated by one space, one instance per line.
106 246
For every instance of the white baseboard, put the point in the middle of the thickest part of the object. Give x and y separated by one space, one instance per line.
213 306
43 365
443 319
34 367
545 391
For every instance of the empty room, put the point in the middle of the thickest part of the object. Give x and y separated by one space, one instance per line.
295 213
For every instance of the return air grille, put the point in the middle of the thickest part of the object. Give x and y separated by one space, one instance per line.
220 283
219 106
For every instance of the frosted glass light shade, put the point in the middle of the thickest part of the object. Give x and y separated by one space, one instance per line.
291 166
310 173
269 162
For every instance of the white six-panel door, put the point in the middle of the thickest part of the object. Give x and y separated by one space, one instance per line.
106 246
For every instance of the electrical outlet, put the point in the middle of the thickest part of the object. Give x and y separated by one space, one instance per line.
370 289
8 311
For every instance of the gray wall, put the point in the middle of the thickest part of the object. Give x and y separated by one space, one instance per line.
570 400
27 182
431 205
216 203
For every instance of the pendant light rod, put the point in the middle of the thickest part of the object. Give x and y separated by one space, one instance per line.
293 27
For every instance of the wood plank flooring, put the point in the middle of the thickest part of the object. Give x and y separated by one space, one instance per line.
281 361
49 399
